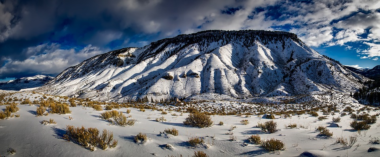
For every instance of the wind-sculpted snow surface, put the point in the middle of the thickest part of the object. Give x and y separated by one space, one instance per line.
238 64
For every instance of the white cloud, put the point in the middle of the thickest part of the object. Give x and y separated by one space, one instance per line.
373 51
355 66
53 61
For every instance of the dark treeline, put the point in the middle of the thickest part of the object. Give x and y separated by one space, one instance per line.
370 93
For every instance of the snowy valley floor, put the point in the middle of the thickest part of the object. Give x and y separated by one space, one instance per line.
29 137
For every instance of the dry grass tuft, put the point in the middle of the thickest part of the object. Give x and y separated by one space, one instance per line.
172 131
98 107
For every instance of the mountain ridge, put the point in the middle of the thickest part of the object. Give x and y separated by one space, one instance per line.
237 64
25 82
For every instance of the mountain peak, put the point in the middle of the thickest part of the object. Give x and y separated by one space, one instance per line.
237 64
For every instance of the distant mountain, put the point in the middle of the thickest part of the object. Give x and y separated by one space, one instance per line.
238 64
370 93
373 73
25 82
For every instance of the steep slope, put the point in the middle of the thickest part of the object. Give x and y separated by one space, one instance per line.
25 82
238 64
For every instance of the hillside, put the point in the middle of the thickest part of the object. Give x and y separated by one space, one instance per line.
237 64
25 82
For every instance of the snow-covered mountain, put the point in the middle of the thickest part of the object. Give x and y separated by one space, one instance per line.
25 82
239 64
373 73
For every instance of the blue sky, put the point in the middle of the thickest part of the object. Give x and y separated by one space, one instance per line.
45 37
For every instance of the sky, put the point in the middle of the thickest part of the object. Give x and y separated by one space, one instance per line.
48 36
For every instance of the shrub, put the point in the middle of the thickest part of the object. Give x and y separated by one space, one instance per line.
353 140
314 114
12 108
164 113
194 141
98 107
90 138
244 122
60 108
336 120
131 122
273 145
128 111
50 121
291 126
26 101
40 111
323 131
3 115
322 117
118 117
200 154
168 77
172 131
108 107
269 126
256 139
197 119
11 151
371 120
141 138
221 123
360 125
269 116
161 119
342 141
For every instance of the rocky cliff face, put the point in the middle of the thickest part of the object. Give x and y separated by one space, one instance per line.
239 64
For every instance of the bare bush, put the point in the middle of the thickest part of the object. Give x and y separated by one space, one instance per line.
197 119
200 154
90 138
141 138
323 131
273 145
360 125
256 139
269 126
194 141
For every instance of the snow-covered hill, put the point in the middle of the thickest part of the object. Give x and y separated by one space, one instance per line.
373 73
238 64
25 82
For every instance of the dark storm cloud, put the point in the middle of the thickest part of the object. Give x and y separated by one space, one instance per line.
32 29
